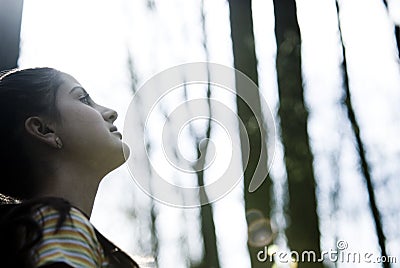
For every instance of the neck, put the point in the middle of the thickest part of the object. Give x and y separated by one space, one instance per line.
74 184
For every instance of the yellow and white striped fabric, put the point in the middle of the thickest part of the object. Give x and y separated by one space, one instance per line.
75 243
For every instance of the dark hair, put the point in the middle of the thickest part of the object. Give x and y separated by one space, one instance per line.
20 232
23 93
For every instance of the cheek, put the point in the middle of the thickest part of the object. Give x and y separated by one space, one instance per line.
86 137
83 126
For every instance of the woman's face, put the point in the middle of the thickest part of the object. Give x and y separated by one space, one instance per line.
86 128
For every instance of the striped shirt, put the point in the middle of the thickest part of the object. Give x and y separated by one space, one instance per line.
75 243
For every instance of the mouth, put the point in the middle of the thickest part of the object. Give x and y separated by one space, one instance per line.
118 134
115 131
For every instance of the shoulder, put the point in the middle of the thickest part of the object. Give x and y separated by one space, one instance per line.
53 219
69 239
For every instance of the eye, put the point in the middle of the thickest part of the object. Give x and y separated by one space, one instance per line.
85 99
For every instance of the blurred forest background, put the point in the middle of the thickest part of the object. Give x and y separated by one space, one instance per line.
329 73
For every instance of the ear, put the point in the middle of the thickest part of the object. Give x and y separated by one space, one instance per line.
39 130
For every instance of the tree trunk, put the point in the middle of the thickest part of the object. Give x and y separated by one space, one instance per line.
211 259
361 152
397 36
303 232
10 28
245 61
396 31
153 214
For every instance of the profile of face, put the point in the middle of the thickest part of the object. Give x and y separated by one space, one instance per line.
86 129
54 134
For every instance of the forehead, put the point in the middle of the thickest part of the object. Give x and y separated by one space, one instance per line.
69 82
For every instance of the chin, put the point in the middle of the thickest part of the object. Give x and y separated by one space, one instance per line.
121 156
115 157
126 151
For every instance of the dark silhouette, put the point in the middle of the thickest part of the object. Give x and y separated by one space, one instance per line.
396 31
245 61
10 28
210 258
303 232
365 169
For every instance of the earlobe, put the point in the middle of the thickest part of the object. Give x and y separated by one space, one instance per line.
39 130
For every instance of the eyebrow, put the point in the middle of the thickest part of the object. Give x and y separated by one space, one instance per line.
76 88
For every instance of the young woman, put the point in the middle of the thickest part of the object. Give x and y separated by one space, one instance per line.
56 144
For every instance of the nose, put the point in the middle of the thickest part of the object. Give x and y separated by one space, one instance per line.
109 115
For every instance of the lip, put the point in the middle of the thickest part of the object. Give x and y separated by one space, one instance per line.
117 133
